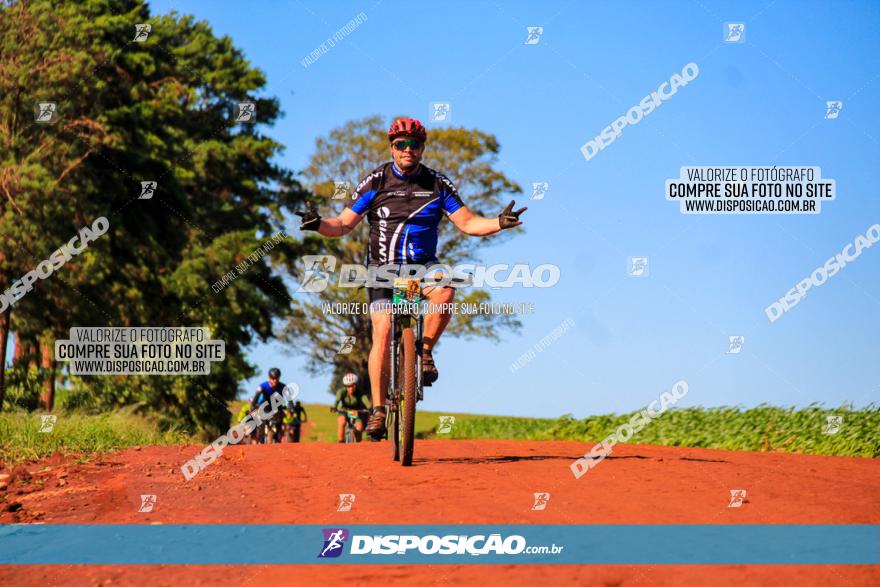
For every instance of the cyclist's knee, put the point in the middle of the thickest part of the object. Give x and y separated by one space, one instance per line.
381 331
381 321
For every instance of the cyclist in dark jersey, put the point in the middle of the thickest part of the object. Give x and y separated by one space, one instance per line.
404 202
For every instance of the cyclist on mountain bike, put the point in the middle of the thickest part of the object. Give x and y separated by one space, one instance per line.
404 202
350 399
264 392
296 415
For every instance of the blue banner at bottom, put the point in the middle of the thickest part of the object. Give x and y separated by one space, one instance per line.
211 544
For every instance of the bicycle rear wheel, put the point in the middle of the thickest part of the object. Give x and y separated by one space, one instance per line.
393 425
408 400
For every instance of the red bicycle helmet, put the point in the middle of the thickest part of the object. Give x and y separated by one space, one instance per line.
407 127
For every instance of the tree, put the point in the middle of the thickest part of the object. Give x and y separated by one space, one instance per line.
158 110
347 154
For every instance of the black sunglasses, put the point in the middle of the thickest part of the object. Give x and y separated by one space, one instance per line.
414 144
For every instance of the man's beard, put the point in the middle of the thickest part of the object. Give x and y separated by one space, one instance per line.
412 166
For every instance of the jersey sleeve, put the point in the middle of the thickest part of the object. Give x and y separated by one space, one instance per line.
364 193
365 400
449 198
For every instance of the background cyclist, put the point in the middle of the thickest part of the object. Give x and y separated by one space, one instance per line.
350 399
296 415
264 392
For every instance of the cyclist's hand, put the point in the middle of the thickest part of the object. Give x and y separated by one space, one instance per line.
311 220
510 217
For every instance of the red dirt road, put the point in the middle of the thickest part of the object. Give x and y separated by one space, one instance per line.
451 482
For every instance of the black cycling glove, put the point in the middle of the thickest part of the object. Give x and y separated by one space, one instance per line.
510 218
311 220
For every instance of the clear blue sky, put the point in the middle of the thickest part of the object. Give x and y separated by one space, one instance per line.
757 103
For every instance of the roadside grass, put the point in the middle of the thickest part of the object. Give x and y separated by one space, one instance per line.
763 429
77 434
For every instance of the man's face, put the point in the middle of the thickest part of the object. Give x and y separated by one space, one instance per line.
273 382
350 389
407 152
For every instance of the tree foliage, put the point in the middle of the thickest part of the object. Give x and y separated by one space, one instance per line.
127 112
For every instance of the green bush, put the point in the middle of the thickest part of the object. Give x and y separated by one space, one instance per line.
763 428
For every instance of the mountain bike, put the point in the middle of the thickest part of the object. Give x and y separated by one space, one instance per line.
351 418
270 432
292 430
405 386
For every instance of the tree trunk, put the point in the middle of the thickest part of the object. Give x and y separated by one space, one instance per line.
19 350
5 324
47 348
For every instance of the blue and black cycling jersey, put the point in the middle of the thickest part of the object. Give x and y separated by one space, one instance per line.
404 212
264 392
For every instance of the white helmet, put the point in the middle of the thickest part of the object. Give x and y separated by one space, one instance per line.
350 379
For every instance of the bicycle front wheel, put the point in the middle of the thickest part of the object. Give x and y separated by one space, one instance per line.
408 401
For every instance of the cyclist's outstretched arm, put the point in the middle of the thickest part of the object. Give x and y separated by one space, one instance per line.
332 227
474 225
